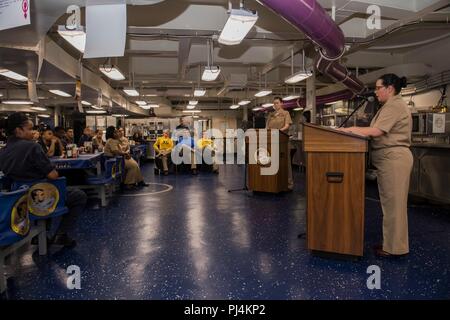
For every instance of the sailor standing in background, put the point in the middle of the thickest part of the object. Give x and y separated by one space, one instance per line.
281 119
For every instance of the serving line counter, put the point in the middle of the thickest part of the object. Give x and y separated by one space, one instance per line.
430 177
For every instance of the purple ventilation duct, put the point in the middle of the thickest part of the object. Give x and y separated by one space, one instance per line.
313 20
328 98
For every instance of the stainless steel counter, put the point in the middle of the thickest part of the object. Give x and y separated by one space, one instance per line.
431 145
430 177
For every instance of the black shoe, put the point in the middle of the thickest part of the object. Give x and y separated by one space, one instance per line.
194 172
143 184
64 240
166 173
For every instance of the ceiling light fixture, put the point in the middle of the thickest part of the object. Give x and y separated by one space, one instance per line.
298 76
190 106
132 92
85 103
263 93
289 98
12 75
141 103
199 92
211 72
193 102
43 115
60 93
38 109
234 106
76 37
112 72
244 102
298 109
238 25
96 111
267 105
17 102
192 111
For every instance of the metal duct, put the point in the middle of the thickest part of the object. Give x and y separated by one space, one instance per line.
313 20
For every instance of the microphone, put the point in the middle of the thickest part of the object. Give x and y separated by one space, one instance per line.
366 98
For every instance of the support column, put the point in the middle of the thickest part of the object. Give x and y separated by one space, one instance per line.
311 96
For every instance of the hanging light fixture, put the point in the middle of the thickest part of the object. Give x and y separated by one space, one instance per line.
263 92
211 72
238 25
298 76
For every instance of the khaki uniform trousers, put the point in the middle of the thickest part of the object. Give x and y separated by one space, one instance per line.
394 167
164 154
132 172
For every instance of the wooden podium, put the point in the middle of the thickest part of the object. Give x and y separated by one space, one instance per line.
268 183
335 187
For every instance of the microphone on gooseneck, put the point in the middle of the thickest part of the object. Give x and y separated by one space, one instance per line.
366 98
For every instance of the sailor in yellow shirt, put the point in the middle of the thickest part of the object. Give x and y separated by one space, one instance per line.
206 147
163 147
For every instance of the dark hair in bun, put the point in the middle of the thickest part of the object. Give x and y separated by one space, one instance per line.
15 120
391 79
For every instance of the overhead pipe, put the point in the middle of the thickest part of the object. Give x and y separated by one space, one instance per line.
313 20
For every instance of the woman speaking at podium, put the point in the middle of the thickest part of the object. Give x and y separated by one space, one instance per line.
390 130
281 119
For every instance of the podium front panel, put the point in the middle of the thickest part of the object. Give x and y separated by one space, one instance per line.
335 202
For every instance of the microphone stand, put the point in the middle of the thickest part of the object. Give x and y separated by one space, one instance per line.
351 114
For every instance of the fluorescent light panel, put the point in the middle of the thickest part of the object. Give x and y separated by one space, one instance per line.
60 93
298 109
96 111
193 102
43 115
244 102
77 37
85 103
131 92
267 105
12 75
289 98
199 92
297 77
263 93
234 106
141 103
17 102
192 111
190 106
38 109
112 72
211 73
239 23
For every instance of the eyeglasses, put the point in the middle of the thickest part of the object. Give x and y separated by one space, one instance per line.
379 87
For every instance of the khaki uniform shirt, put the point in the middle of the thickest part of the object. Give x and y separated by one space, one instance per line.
395 120
278 119
111 146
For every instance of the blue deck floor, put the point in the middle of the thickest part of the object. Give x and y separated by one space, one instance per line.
197 241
